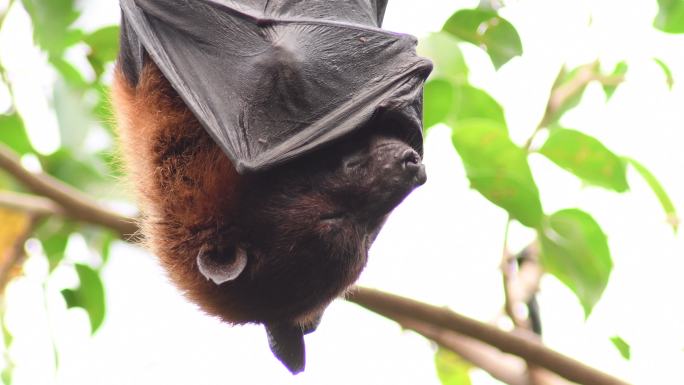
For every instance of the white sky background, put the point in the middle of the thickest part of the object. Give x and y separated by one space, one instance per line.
442 245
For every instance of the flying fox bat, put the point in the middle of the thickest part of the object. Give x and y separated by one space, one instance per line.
268 140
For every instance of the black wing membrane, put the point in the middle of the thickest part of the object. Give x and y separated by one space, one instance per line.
272 80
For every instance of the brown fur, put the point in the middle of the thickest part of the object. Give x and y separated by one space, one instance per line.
184 181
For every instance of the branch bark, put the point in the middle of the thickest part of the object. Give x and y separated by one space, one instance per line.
77 204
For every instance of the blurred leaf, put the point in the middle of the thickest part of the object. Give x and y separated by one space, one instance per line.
659 191
498 169
490 4
55 242
99 240
438 100
487 30
71 75
72 115
13 134
448 103
6 374
104 47
669 79
86 172
474 103
7 336
446 56
670 17
575 250
587 158
51 20
451 368
620 69
106 246
622 346
89 295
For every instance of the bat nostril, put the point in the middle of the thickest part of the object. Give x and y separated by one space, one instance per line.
410 159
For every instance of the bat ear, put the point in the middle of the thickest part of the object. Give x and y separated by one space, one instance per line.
287 344
380 6
220 268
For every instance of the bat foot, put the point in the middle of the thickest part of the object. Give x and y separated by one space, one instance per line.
287 344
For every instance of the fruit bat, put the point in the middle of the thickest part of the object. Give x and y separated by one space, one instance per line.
268 140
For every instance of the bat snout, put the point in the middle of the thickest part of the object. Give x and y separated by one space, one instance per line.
412 166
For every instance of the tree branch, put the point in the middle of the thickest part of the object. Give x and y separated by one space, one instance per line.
564 92
504 367
74 204
77 204
520 343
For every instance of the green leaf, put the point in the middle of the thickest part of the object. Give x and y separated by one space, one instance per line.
443 50
450 104
575 250
13 134
658 190
438 98
622 346
51 24
474 103
69 73
104 47
619 70
498 169
88 296
487 30
670 17
73 117
669 79
7 336
6 374
587 158
85 171
106 247
451 368
55 243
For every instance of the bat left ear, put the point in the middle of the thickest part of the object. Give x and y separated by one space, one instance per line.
218 268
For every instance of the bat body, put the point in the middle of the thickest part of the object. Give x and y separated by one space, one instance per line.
263 211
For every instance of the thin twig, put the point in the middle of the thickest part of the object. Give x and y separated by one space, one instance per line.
564 92
31 204
506 368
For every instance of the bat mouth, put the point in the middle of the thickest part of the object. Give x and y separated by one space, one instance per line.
332 216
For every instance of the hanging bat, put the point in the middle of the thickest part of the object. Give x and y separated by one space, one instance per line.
268 140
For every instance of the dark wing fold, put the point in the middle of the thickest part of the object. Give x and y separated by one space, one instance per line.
272 80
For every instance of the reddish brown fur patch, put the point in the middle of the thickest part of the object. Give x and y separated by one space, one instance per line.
186 185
